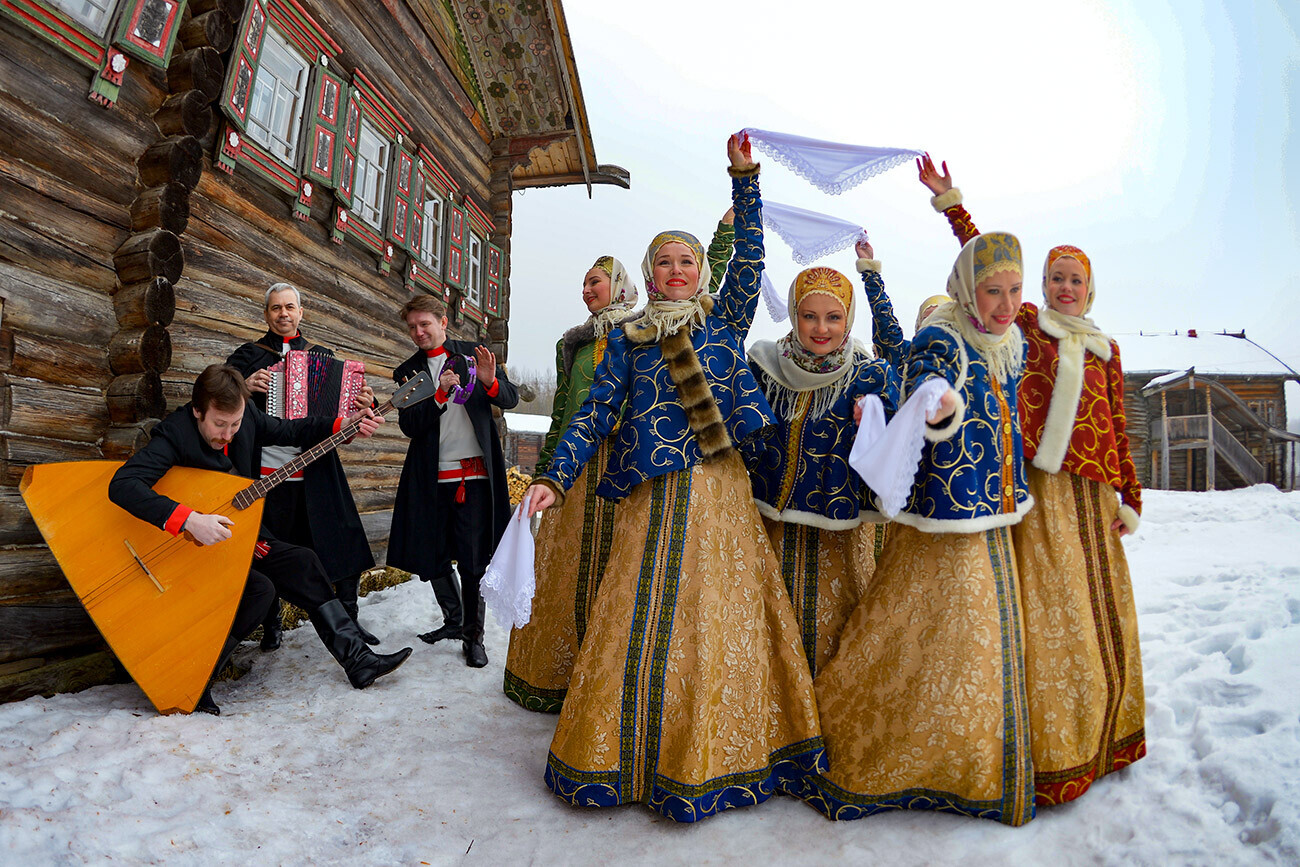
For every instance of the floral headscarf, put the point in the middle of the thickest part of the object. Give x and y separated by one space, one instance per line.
669 315
622 296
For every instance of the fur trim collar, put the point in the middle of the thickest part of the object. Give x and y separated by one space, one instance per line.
1067 388
695 396
641 329
821 522
583 332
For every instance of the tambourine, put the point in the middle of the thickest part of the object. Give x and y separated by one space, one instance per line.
461 393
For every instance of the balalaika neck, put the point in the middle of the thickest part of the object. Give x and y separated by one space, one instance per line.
263 486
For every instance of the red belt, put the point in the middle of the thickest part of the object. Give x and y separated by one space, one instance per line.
470 468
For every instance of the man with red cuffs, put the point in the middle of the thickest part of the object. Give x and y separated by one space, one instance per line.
452 502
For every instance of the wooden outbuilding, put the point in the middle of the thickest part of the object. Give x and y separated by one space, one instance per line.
162 162
1207 411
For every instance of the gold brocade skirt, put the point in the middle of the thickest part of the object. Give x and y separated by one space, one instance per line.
1083 668
825 572
690 692
572 548
923 707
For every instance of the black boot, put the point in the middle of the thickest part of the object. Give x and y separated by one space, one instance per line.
338 632
472 646
448 596
271 627
347 590
206 703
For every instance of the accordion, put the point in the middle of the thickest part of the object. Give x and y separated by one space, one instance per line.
311 384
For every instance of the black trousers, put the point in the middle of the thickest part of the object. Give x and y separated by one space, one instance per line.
466 537
290 571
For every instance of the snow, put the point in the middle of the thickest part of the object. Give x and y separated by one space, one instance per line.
522 422
1208 353
434 765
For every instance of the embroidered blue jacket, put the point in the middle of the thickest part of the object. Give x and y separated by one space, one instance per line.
802 475
971 476
654 437
886 334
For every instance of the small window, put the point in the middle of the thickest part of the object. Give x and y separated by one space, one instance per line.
372 172
430 250
279 94
92 13
474 279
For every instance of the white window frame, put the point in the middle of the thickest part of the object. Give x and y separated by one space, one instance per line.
276 105
474 260
431 240
373 151
92 14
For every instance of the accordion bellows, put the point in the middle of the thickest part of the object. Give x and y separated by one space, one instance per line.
312 384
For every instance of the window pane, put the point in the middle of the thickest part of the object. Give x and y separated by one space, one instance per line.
372 169
474 281
92 13
279 91
430 244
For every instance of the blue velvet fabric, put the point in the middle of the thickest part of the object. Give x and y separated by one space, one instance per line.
814 453
961 481
654 436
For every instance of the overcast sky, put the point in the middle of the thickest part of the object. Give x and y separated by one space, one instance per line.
1158 137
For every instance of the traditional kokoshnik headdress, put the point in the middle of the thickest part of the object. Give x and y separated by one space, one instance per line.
982 257
793 368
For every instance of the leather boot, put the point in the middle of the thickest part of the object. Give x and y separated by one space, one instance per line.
472 637
272 630
339 633
347 590
448 596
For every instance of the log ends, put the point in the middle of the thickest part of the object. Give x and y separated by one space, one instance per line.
177 158
199 69
151 302
166 207
135 397
136 350
150 254
185 114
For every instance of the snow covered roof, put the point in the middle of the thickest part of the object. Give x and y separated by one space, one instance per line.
522 422
1224 354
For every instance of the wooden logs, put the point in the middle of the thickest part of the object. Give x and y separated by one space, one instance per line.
166 207
30 407
31 630
184 113
135 396
149 254
200 69
135 350
16 524
152 302
176 158
212 29
233 8
122 441
61 675
53 360
17 453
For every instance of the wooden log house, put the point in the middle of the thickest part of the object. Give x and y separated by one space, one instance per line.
162 162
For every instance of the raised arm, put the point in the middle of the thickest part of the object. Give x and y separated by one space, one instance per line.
886 334
738 300
946 199
719 252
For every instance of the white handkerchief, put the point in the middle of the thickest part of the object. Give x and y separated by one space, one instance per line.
810 234
886 456
830 166
509 582
776 305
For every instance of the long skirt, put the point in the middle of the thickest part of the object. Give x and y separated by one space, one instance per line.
825 572
690 693
924 707
1083 668
572 548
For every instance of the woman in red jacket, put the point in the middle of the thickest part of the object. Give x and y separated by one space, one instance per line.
1083 665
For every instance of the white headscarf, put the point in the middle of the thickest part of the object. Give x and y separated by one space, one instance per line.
980 258
622 297
668 315
1073 331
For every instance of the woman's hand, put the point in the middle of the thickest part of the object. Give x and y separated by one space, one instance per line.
740 151
935 182
542 498
864 251
729 218
1120 527
947 406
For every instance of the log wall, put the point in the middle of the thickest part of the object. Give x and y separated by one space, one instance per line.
128 263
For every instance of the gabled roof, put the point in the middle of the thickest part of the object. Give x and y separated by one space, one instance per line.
515 62
1219 354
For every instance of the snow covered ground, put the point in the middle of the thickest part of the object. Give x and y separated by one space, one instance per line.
434 765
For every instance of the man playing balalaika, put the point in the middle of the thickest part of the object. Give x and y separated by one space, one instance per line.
220 429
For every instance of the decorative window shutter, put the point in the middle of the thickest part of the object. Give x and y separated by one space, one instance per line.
495 272
147 29
400 202
455 267
243 64
327 98
345 166
416 236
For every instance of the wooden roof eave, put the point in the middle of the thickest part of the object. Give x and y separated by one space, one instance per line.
614 176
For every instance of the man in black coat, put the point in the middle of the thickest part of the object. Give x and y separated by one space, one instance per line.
317 510
221 430
452 502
